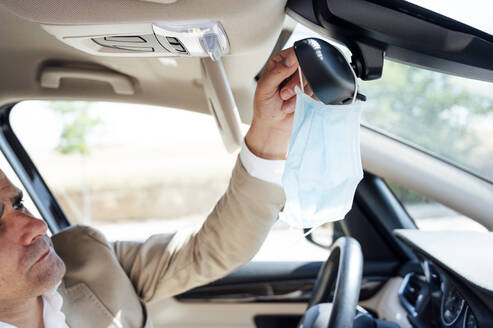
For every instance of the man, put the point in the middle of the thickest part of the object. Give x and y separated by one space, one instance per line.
106 284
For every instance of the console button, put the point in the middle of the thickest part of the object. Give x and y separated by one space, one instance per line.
126 38
179 47
172 40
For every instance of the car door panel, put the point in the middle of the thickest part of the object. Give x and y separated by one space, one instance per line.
258 295
171 313
280 282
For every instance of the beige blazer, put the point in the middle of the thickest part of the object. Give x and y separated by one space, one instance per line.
108 284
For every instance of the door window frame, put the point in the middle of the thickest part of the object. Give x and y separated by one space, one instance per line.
29 175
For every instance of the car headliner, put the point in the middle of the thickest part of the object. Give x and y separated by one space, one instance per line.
252 28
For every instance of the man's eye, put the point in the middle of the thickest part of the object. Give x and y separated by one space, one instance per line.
19 205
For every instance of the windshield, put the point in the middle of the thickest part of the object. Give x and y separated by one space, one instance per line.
475 13
448 116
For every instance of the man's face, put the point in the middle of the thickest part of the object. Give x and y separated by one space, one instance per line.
29 265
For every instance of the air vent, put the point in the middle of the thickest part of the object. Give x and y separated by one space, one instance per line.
411 292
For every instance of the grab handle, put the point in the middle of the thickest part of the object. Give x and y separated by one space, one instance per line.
121 84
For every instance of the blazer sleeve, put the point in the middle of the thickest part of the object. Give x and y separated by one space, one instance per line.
166 265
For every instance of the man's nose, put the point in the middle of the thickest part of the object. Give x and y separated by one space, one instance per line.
34 229
29 228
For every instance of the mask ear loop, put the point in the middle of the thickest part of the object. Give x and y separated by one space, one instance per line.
310 231
355 85
301 80
294 243
302 89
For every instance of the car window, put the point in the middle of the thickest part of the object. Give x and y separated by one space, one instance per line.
132 170
9 172
430 215
447 116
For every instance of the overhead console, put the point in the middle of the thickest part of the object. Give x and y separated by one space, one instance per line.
189 39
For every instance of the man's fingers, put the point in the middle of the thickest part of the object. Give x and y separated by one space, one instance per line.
287 91
278 58
288 106
280 67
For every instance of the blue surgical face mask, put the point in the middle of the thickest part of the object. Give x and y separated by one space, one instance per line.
323 166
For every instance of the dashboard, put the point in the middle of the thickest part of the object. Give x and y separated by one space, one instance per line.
431 299
452 286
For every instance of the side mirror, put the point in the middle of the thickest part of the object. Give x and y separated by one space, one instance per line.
325 235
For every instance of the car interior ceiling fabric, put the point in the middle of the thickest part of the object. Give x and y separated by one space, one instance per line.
323 166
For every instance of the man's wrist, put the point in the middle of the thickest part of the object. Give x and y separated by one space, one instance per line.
267 142
263 169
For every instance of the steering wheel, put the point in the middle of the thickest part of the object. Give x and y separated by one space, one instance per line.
342 270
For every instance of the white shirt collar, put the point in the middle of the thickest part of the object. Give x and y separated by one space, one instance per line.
53 316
